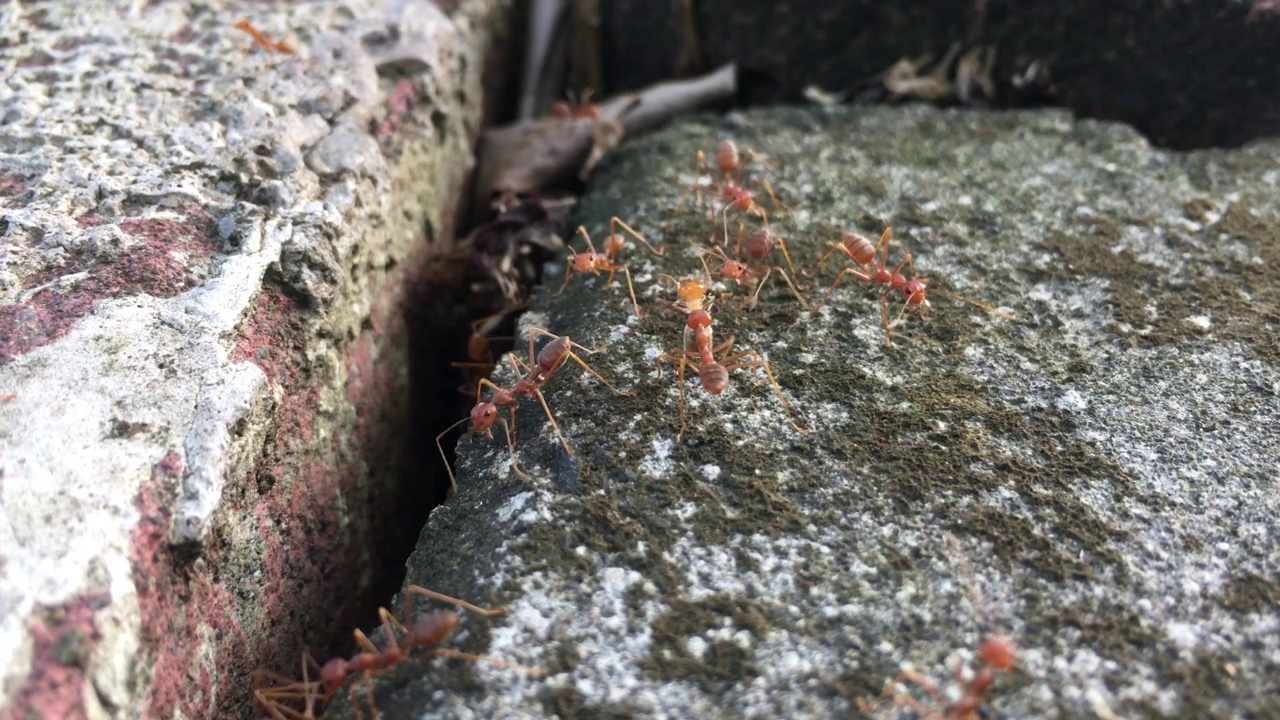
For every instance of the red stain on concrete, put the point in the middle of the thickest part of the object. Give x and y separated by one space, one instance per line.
162 265
192 636
62 640
401 102
13 183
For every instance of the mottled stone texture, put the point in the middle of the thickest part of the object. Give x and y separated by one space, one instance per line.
1186 73
1106 460
207 256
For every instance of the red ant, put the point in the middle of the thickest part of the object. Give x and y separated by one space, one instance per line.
758 247
428 631
597 262
995 654
732 193
261 40
699 353
576 108
914 291
479 353
530 379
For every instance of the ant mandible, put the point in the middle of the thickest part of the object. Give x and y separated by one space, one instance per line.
597 262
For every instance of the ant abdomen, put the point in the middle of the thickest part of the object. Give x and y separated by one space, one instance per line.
715 378
860 248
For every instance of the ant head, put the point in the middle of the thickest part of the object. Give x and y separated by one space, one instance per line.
714 377
698 319
914 291
483 416
582 262
333 674
745 201
999 653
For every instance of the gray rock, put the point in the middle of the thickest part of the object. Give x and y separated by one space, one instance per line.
1106 460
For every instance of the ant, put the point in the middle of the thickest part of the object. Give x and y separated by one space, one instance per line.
597 262
479 353
758 247
699 353
575 108
261 40
995 654
914 291
428 631
531 377
732 193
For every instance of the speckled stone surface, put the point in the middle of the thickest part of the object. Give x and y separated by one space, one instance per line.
1106 460
205 253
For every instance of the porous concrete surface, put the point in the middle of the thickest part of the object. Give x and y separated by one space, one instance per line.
1106 461
205 250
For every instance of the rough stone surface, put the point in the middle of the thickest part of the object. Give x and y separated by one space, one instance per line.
1192 73
206 251
1106 460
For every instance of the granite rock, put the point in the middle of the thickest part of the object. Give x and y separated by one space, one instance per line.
1105 460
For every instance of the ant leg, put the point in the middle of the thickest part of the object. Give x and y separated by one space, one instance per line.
777 389
884 316
755 363
574 356
568 270
511 445
630 288
582 230
794 290
776 202
742 230
838 245
615 220
433 595
883 242
563 441
682 361
920 681
847 271
459 655
787 255
453 483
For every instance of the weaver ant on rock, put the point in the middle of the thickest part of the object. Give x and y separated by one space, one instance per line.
996 654
729 189
758 247
699 353
531 377
428 631
597 262
914 290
